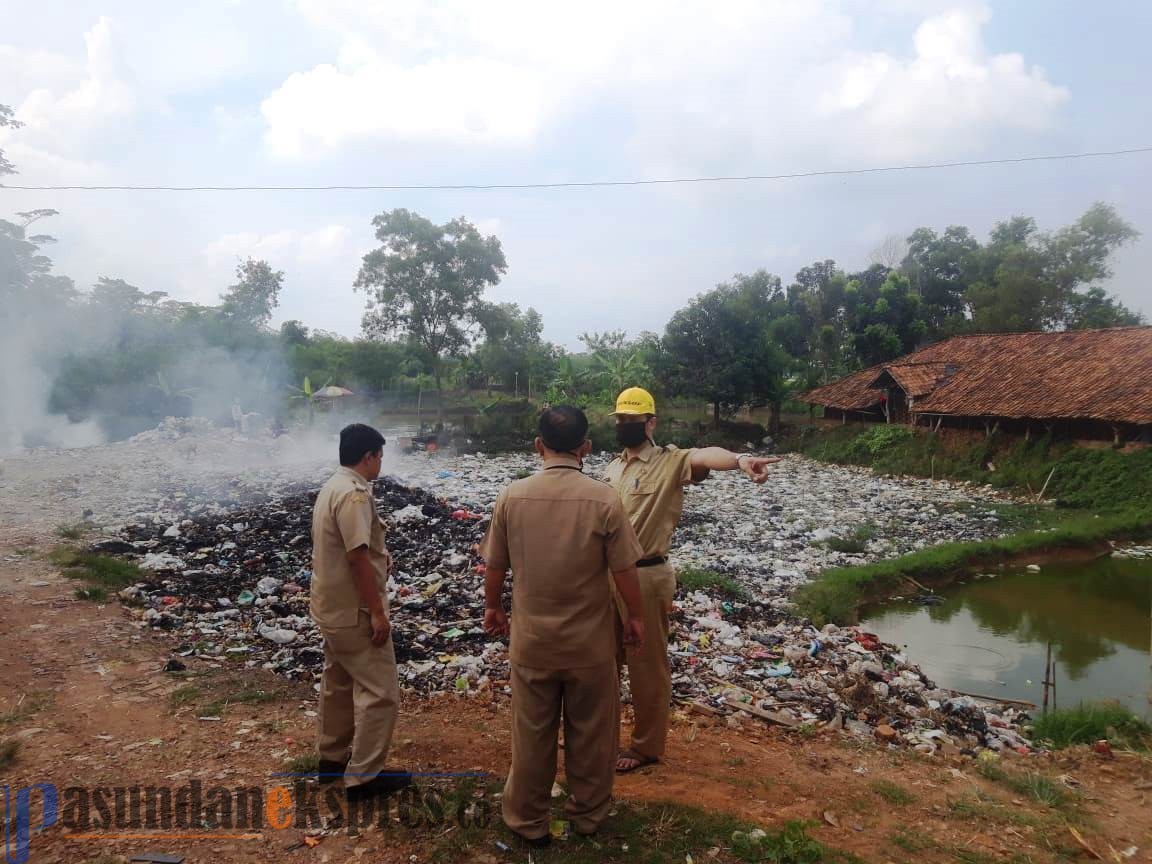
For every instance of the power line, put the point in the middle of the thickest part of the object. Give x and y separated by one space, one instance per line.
466 187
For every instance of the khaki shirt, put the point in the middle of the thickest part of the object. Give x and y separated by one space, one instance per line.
562 533
651 486
344 519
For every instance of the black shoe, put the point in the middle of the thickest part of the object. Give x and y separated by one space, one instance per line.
384 783
329 771
535 842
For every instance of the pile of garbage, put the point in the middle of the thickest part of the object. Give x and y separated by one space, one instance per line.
727 657
233 584
1137 553
175 428
230 582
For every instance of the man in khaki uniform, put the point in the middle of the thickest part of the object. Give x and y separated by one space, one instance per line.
359 691
562 533
651 483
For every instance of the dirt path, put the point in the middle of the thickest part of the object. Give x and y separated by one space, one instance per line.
85 695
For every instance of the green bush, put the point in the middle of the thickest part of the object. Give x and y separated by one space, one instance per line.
1101 480
835 594
1090 722
709 581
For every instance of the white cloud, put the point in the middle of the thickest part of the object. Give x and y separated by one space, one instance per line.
701 83
950 94
462 100
81 102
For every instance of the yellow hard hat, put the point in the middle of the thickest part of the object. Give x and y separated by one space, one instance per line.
635 400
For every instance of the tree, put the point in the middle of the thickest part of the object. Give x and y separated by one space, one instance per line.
426 281
1094 308
513 351
255 294
940 268
117 295
816 300
294 333
616 363
7 120
889 252
886 319
721 348
1030 280
26 276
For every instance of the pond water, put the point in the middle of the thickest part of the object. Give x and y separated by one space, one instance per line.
990 635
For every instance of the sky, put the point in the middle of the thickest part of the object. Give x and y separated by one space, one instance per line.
310 92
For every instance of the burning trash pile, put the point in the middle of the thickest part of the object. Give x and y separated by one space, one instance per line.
231 584
235 585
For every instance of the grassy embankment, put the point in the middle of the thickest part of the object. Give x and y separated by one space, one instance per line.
1099 495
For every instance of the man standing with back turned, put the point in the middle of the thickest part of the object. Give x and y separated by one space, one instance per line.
562 533
359 691
651 483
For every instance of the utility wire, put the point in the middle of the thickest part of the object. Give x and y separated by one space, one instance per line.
462 187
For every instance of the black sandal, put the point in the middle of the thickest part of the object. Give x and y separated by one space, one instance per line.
640 760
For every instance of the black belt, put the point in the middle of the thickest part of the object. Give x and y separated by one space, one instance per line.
652 562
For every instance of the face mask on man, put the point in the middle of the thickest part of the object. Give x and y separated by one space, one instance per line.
632 434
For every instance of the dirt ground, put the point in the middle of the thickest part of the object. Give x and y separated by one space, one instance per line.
85 695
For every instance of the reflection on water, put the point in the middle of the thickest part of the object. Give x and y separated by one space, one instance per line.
990 636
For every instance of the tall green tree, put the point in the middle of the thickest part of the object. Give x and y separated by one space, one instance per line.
426 281
1030 280
721 346
885 320
1094 308
256 293
513 352
7 120
939 269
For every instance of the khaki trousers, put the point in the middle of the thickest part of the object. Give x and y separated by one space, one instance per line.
359 699
649 676
589 701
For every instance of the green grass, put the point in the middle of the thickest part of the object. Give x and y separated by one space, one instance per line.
855 543
1096 479
1039 788
26 708
102 570
893 793
8 752
709 581
95 593
911 842
638 831
979 809
836 594
307 764
186 695
246 694
1091 722
75 531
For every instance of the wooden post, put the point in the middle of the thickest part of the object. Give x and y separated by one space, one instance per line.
933 467
1044 488
1047 667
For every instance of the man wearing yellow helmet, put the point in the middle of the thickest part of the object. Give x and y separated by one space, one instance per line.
651 481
